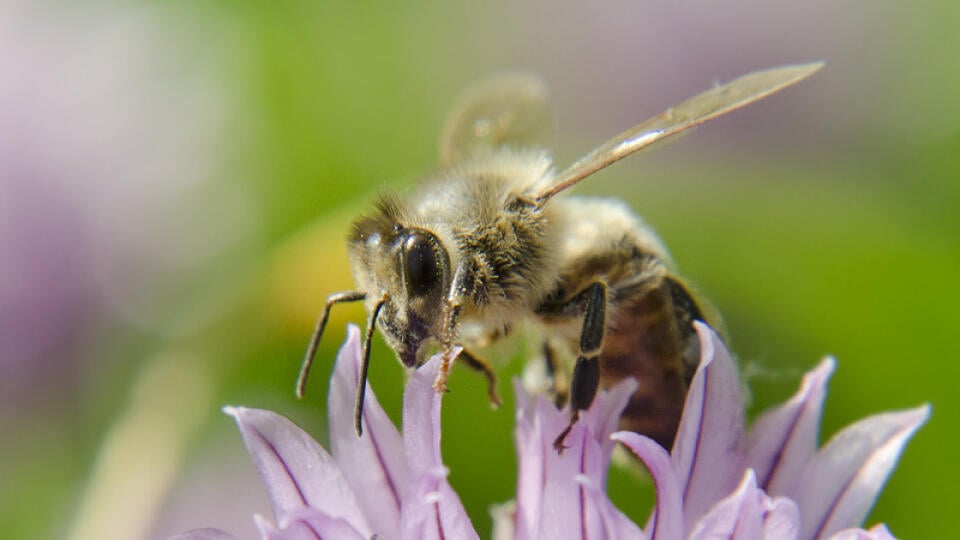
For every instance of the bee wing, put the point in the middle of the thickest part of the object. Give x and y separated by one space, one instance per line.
507 109
710 104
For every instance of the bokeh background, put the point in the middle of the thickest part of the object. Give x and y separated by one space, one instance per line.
177 178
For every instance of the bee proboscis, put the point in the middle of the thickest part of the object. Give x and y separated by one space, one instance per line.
487 243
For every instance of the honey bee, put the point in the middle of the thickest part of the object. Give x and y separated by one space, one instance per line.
488 242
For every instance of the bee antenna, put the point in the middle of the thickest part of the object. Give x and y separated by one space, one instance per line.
336 298
365 363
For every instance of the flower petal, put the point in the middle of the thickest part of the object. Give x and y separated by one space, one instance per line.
667 520
564 495
531 452
310 524
843 480
298 472
748 513
434 512
504 521
783 440
534 422
267 529
374 464
610 521
878 532
604 418
782 519
571 507
421 418
431 509
706 451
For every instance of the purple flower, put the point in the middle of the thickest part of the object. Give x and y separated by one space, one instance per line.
382 483
111 123
720 481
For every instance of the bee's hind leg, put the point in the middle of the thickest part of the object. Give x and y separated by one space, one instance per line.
586 372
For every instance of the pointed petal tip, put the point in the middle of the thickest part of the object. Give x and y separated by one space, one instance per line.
624 437
235 411
809 68
265 527
914 419
826 366
667 521
699 325
626 386
250 415
815 381
911 420
845 477
353 332
749 478
922 413
710 344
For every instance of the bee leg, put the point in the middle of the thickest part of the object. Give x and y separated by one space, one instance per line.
559 386
586 372
479 364
446 345
365 365
337 298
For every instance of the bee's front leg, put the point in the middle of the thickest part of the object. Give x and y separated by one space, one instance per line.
450 320
586 372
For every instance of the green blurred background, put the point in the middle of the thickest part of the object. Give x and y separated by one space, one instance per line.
177 178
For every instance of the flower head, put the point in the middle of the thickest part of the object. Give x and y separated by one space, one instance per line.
382 483
720 481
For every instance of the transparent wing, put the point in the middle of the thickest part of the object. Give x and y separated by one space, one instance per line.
507 109
710 104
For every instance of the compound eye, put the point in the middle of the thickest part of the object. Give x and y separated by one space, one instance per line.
420 263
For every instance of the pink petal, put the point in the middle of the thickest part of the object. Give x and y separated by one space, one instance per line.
421 418
747 514
564 496
267 530
567 511
604 419
431 509
298 473
374 464
783 439
667 520
878 532
310 524
841 483
561 513
504 521
538 423
609 521
532 451
706 453
434 512
782 519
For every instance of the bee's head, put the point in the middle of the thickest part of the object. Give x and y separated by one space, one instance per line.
411 267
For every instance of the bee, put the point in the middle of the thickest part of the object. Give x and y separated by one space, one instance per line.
490 241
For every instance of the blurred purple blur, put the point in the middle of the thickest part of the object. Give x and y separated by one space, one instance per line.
108 168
